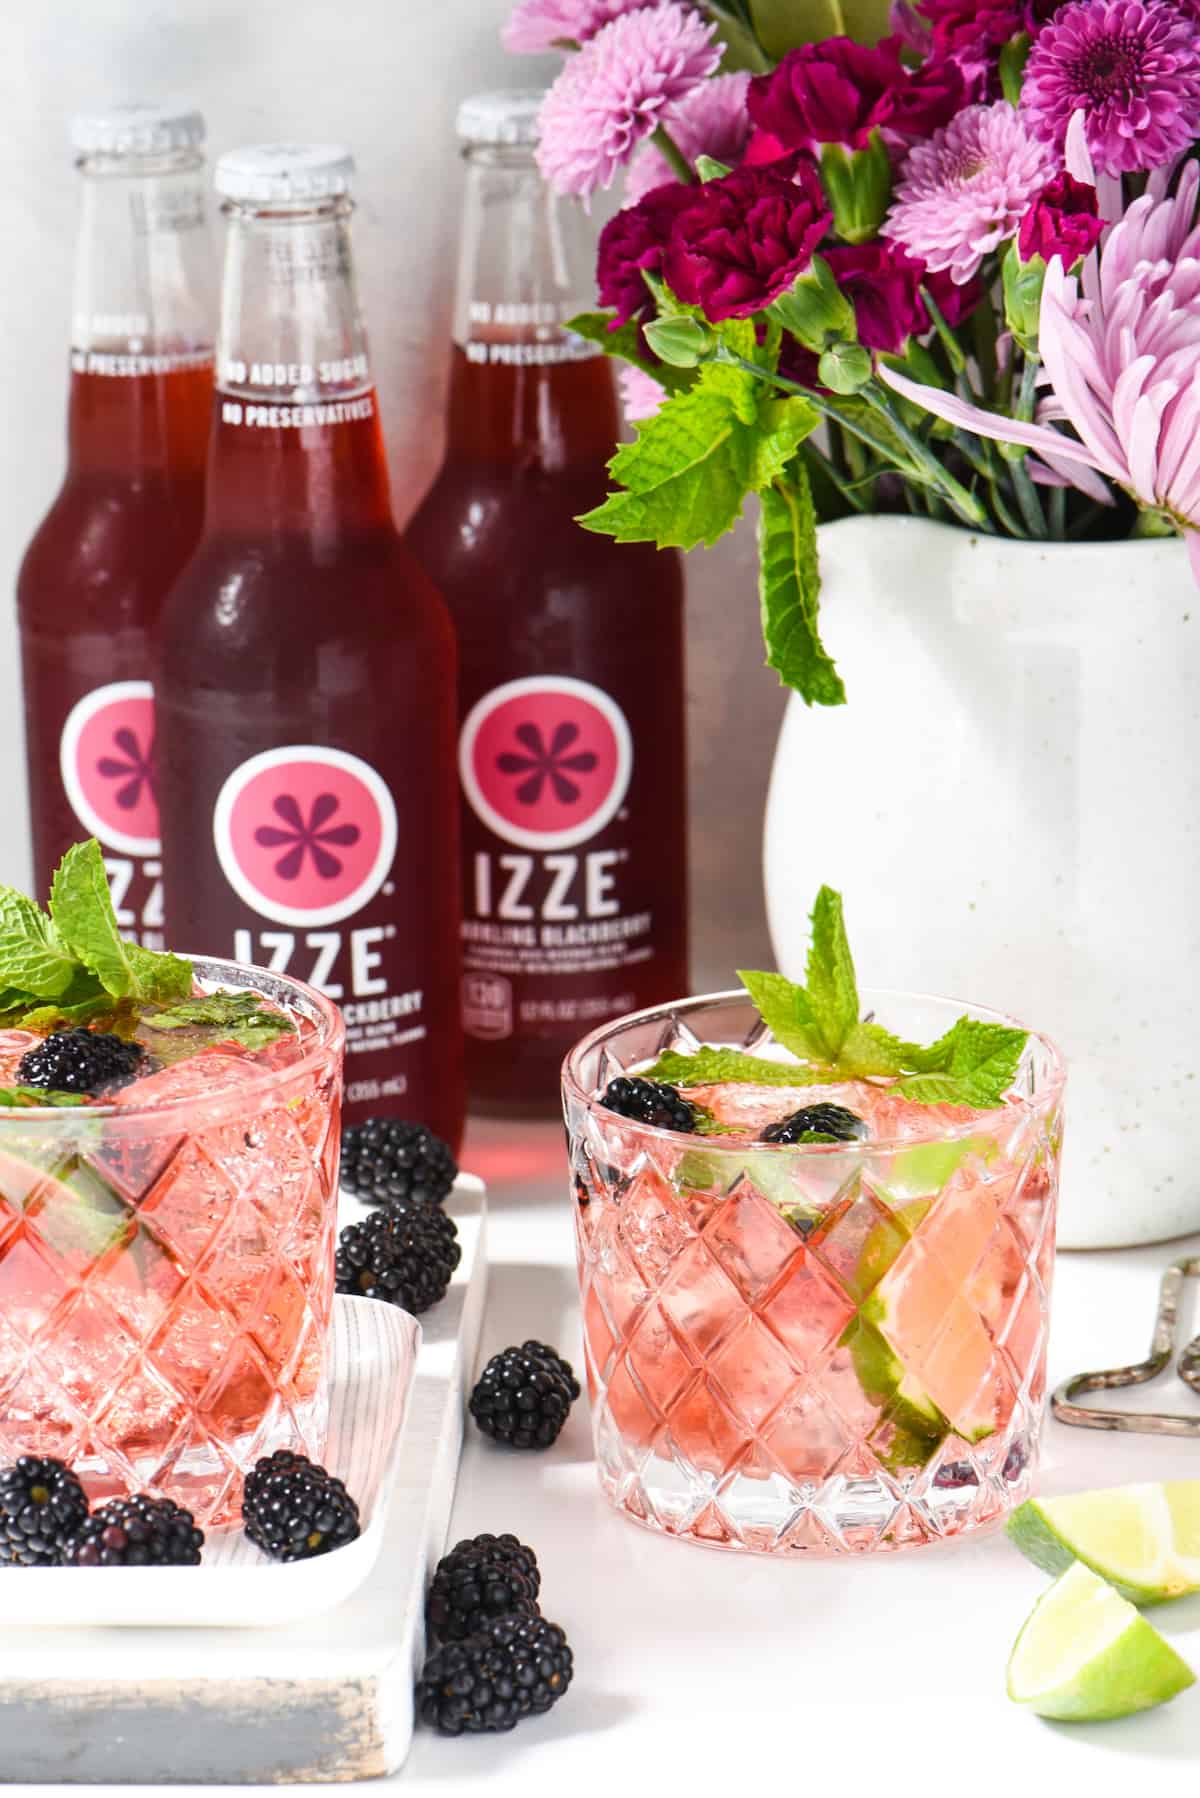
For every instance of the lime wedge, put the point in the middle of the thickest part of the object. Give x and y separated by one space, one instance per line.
1085 1654
1144 1540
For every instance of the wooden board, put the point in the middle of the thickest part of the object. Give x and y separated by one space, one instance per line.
329 1698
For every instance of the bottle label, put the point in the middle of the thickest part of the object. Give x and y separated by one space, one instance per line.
306 837
546 764
106 759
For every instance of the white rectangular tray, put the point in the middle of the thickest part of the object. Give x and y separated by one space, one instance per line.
326 1697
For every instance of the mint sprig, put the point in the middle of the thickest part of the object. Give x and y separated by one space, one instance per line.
974 1063
222 1017
73 966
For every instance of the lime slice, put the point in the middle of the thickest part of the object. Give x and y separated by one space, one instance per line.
1144 1540
1085 1654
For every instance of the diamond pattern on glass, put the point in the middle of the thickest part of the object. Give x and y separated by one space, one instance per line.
836 1359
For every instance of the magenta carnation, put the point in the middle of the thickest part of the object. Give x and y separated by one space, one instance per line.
536 26
882 283
826 93
633 240
743 240
710 121
1132 67
967 190
616 91
839 92
1063 221
972 33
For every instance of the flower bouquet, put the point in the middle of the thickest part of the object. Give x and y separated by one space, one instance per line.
955 272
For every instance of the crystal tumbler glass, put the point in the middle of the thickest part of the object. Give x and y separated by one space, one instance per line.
166 1266
822 1348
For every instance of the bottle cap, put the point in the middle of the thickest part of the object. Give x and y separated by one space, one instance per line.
507 117
137 130
282 172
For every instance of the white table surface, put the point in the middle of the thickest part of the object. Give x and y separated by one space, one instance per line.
695 1666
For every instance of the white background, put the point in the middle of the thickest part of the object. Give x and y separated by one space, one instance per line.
384 76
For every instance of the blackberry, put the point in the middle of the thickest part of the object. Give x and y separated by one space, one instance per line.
481 1578
81 1061
405 1254
523 1395
816 1123
513 1667
386 1158
294 1509
649 1102
42 1505
136 1532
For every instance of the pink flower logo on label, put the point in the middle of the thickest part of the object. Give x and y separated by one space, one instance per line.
546 762
304 834
309 836
106 757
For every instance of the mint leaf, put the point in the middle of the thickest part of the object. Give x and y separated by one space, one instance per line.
871 1052
711 1066
686 476
158 976
980 1062
25 1096
789 586
33 958
82 911
626 343
223 1017
81 907
832 988
84 1000
785 1009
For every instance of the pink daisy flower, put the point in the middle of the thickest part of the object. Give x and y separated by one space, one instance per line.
617 91
1121 347
536 26
711 121
1131 66
641 394
966 191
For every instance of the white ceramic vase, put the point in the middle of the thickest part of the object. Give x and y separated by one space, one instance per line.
1010 804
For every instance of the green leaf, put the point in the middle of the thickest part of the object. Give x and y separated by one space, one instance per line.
84 1000
686 475
33 958
978 1063
789 585
625 343
222 1017
784 1008
711 1066
832 988
81 907
871 1052
12 1097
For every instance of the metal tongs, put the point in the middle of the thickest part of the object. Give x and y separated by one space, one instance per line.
1162 1347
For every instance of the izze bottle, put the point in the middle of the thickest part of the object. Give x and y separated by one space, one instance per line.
130 509
571 746
306 666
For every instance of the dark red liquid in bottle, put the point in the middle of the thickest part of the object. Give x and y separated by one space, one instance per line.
89 594
571 701
303 639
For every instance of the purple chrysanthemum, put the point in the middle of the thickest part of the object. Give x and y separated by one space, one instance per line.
967 189
711 121
616 91
641 394
1131 66
536 26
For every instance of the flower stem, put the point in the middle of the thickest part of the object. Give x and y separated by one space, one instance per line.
824 466
665 144
970 509
1058 513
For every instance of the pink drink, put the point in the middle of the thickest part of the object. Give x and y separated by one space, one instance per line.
818 1348
166 1259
